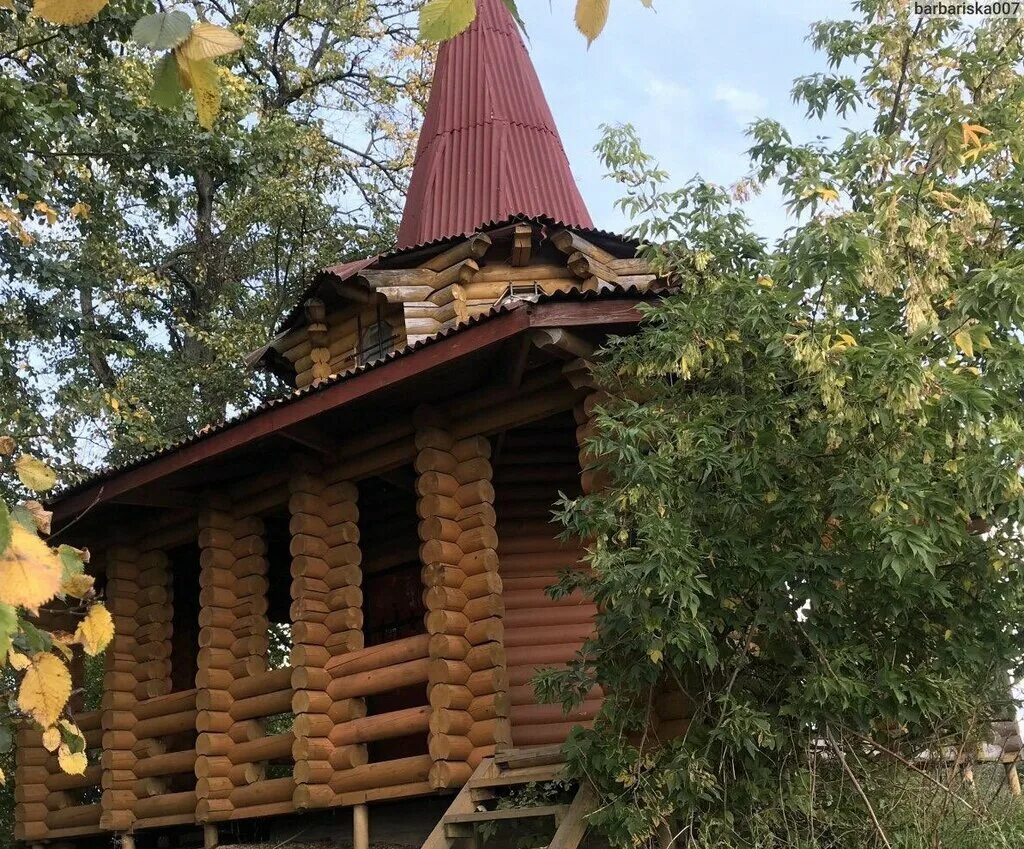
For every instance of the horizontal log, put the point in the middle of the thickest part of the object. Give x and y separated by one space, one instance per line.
270 681
383 774
162 726
384 726
547 616
263 793
573 634
378 656
171 763
374 681
544 735
81 815
274 748
266 704
541 714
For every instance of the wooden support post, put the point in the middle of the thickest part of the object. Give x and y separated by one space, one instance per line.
316 328
119 688
327 622
360 827
211 838
232 645
467 684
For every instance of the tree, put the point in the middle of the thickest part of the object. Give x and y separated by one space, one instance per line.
146 256
806 542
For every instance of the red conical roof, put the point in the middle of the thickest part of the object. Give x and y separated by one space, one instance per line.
489 148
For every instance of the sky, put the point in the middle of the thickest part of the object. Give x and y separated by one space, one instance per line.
690 76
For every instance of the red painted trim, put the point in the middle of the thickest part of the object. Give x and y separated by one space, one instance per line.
444 352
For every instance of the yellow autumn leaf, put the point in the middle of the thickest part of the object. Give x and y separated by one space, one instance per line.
73 763
829 195
962 339
18 661
34 473
6 4
30 571
78 586
972 134
80 210
95 631
43 208
591 16
3 778
68 12
45 689
208 41
51 739
205 85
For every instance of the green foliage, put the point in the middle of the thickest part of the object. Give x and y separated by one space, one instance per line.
810 536
142 257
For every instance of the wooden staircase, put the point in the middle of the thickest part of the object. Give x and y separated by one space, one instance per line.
504 772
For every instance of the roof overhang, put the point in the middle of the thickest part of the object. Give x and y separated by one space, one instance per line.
426 361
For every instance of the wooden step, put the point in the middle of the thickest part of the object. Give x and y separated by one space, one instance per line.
556 811
521 775
532 756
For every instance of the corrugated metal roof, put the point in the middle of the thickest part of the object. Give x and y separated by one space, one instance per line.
319 386
489 147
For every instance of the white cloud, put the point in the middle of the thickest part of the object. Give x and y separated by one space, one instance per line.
743 104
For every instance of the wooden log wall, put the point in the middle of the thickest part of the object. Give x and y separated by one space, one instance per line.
232 647
329 344
327 622
538 461
467 684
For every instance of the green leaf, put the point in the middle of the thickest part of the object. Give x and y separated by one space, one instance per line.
514 11
5 527
166 91
71 560
163 30
31 639
23 516
441 20
8 628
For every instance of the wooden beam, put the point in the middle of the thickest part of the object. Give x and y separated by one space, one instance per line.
569 243
173 499
473 248
522 243
308 435
399 277
562 343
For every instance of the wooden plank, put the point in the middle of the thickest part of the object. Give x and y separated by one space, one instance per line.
528 757
507 814
573 826
525 775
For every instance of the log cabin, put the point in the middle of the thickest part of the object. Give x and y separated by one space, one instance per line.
391 516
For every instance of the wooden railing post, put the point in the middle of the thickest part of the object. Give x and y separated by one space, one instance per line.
467 685
119 692
327 621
